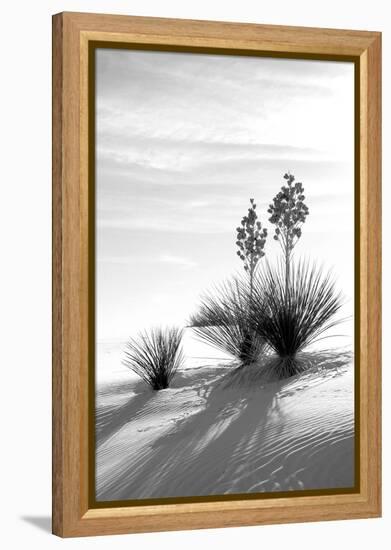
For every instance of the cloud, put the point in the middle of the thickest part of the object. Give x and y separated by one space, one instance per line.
164 258
176 260
220 214
119 151
198 225
243 169
216 98
158 77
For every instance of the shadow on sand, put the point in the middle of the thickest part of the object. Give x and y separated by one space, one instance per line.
110 418
216 448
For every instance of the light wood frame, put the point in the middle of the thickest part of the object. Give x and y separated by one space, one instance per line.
72 32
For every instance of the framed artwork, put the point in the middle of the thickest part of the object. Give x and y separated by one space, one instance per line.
216 274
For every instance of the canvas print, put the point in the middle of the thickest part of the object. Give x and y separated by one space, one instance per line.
224 275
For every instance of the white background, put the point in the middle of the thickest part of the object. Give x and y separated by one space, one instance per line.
25 274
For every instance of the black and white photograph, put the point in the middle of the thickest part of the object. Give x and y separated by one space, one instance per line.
224 275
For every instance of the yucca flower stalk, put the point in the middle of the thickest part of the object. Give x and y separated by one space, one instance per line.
288 214
250 239
155 356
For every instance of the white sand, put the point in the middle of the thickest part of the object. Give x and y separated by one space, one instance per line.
219 430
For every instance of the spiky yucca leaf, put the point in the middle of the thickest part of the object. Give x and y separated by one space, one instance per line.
155 356
290 318
224 321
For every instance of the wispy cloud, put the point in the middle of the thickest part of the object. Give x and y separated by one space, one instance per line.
125 153
166 258
176 260
215 99
199 225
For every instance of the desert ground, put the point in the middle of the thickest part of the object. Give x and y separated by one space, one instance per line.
221 429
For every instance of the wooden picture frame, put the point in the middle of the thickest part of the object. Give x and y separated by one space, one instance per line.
73 34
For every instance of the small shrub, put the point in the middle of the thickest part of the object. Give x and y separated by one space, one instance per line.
155 356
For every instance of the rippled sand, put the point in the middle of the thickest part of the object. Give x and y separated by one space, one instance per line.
224 430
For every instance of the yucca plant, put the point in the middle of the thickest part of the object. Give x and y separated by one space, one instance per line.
224 321
155 356
224 317
291 318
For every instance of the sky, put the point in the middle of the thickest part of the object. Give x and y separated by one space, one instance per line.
183 141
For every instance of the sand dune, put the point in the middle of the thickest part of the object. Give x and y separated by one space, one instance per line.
222 430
